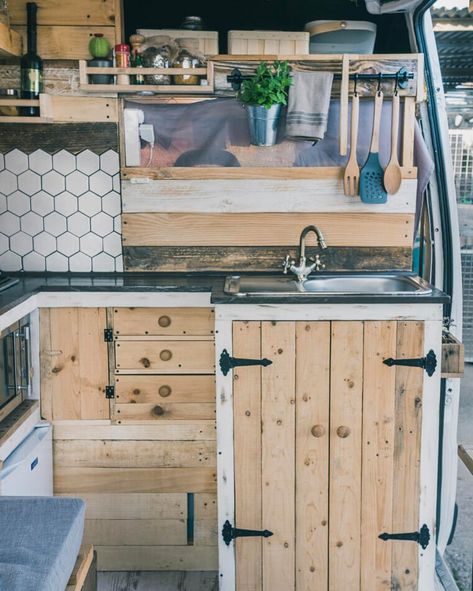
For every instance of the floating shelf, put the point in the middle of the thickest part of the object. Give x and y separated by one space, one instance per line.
10 42
15 102
207 72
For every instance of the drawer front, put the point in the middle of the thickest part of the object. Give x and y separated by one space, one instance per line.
163 321
165 357
164 411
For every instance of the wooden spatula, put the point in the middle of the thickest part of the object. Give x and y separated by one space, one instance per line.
351 178
392 174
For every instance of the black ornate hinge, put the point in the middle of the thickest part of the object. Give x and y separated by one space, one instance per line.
229 533
422 537
227 363
429 362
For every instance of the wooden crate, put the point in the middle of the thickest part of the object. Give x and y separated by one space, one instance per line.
268 43
208 40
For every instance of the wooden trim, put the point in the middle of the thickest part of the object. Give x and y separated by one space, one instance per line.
248 229
81 568
318 57
408 131
343 130
10 42
466 456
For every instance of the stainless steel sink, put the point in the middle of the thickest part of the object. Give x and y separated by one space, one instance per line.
327 284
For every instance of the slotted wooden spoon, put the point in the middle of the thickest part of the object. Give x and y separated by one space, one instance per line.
351 178
392 175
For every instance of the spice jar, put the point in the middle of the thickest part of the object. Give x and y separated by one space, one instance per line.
188 57
122 60
160 52
8 110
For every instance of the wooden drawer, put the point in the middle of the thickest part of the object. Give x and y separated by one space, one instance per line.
165 357
163 321
154 398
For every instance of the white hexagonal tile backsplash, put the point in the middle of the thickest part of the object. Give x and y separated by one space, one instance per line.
60 212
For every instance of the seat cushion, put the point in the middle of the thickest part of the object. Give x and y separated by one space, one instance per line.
40 541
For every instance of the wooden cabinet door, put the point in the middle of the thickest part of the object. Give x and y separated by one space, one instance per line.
74 363
327 455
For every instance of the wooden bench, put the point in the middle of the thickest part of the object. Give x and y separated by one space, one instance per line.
84 575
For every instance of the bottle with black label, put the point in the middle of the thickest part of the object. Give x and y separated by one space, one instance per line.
31 64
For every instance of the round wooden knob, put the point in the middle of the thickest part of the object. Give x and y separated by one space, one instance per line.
164 391
164 321
158 410
145 362
318 430
165 355
343 431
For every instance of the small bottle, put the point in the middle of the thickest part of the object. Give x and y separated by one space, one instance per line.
31 65
136 41
122 60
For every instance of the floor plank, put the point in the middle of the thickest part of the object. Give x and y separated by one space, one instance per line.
154 581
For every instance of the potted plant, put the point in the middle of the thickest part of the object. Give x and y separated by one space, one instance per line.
264 95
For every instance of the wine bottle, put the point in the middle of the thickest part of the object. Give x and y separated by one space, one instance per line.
31 64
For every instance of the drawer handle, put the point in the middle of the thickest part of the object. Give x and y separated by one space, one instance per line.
343 431
145 362
158 411
165 391
164 321
165 355
318 430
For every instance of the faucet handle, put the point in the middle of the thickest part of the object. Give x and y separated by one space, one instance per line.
287 263
318 264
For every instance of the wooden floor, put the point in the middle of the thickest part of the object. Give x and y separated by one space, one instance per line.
157 581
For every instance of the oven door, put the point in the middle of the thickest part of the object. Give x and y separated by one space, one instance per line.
14 367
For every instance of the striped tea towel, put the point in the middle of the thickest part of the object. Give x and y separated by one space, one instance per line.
308 105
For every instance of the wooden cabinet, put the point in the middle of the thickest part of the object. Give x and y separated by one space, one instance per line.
329 451
74 364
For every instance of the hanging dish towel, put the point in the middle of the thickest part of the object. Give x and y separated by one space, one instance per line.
308 105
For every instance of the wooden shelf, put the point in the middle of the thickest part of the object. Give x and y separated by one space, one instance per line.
12 102
10 42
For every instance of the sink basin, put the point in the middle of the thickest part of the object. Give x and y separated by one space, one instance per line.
327 284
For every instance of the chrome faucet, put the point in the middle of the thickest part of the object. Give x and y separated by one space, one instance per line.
302 270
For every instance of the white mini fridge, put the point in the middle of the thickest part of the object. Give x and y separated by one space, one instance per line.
28 470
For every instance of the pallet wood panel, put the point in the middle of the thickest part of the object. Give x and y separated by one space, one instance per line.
346 390
205 506
74 364
155 389
312 454
234 259
377 470
139 532
55 12
187 357
138 454
178 430
134 480
163 321
132 558
164 411
248 450
340 229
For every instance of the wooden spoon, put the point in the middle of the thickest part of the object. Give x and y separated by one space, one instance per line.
392 174
351 177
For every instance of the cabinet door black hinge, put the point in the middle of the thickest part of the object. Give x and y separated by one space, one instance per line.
422 537
429 362
227 363
109 392
229 533
108 335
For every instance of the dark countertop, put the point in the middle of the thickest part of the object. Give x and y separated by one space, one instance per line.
33 283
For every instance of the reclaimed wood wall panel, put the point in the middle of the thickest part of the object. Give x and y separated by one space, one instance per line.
135 532
247 229
254 258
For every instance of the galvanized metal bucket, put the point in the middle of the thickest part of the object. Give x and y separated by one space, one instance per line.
263 124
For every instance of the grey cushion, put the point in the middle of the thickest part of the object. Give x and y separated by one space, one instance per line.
39 542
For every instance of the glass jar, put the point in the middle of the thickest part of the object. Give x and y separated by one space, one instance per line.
188 57
122 60
157 57
9 110
192 23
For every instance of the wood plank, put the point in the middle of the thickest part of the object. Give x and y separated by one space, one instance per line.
163 321
138 454
408 423
11 44
66 42
343 121
408 131
206 532
278 452
205 506
179 430
163 411
377 454
453 357
134 506
55 12
155 389
255 195
248 229
234 259
136 532
70 109
165 356
247 454
131 558
312 454
81 567
346 387
162 580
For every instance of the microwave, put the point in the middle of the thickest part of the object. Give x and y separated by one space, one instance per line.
15 366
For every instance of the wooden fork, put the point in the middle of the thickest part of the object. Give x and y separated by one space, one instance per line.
351 179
